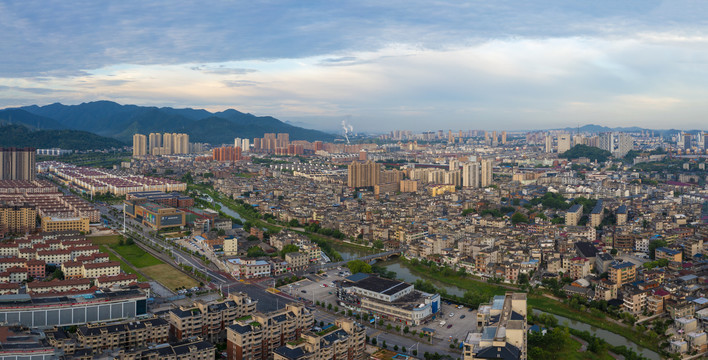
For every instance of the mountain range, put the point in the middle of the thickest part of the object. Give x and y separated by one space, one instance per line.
110 119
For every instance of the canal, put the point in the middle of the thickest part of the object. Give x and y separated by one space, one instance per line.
403 273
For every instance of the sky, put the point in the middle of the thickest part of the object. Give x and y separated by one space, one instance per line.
378 65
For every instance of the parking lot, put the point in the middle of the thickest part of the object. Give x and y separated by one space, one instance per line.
315 287
312 289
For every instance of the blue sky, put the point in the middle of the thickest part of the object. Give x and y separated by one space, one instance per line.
381 65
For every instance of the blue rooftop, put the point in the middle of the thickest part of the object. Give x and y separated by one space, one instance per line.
668 251
623 265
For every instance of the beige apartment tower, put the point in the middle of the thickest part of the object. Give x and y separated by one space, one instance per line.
17 163
363 174
139 145
486 173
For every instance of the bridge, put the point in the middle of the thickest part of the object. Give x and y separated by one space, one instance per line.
380 256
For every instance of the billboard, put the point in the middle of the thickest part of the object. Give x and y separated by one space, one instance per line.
171 220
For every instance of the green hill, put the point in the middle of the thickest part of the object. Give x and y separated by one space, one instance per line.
589 152
21 136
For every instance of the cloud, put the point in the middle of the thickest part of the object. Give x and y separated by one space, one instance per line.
393 64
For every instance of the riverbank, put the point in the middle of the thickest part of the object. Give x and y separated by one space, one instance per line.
540 302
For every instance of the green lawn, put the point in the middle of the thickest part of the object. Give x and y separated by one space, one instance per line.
136 256
466 283
125 267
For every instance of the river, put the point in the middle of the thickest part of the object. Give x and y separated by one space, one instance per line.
403 273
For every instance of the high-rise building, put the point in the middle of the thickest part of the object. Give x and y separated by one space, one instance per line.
227 153
563 143
503 139
494 138
549 143
17 218
139 145
18 163
470 175
168 144
181 144
363 174
486 173
607 141
155 142
625 143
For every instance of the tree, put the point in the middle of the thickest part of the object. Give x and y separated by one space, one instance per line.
395 347
655 244
378 244
519 218
294 223
522 279
406 330
329 306
357 266
255 251
221 232
289 248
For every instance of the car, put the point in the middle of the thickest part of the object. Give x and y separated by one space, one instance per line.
303 291
324 285
452 314
463 316
449 326
469 310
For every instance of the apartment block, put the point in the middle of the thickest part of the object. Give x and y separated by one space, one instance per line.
573 215
622 273
123 335
257 336
345 339
209 320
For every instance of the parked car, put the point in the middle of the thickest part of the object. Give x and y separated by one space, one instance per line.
303 291
463 316
449 326
452 314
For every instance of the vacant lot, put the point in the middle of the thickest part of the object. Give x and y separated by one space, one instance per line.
105 239
169 276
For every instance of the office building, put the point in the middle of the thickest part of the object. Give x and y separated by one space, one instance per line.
18 163
388 299
139 145
363 174
502 330
486 173
573 215
51 223
564 143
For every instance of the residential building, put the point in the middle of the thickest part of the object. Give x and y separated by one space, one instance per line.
622 273
123 335
257 336
363 174
573 215
139 145
17 163
502 330
209 320
18 219
345 339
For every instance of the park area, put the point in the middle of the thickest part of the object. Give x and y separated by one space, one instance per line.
139 261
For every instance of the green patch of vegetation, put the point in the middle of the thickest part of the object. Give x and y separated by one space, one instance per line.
358 266
123 265
135 255
327 330
590 152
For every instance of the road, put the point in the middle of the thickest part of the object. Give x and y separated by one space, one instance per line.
141 233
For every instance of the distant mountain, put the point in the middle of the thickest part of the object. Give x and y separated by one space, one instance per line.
32 121
22 136
110 119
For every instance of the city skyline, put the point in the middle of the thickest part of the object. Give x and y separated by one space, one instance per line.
374 66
